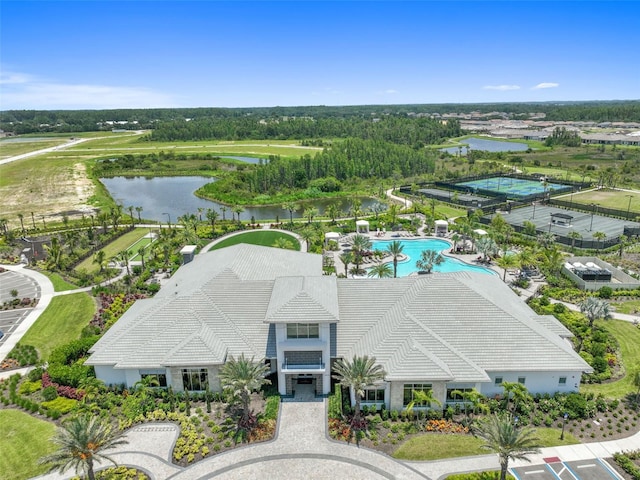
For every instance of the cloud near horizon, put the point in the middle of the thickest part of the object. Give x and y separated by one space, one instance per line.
545 85
23 91
502 88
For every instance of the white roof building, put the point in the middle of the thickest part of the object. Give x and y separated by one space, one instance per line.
441 331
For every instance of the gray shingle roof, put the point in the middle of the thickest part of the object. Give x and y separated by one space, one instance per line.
454 327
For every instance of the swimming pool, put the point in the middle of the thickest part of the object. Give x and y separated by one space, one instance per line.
413 248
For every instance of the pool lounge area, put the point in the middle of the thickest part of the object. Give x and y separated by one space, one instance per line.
412 248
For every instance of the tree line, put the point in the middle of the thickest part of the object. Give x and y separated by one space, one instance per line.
61 121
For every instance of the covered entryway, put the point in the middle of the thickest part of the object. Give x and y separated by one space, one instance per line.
304 387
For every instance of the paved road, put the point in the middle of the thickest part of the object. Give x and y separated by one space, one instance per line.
44 150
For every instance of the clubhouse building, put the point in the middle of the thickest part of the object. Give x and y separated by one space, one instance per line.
439 332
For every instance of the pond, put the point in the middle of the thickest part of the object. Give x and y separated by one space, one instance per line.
164 197
487 145
413 248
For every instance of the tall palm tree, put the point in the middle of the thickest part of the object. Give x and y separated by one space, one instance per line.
427 260
139 210
359 245
516 391
238 209
503 436
333 212
600 236
81 442
486 246
356 209
395 250
595 308
242 376
357 375
291 207
133 221
506 262
21 218
310 213
346 258
99 258
212 216
307 234
380 270
573 235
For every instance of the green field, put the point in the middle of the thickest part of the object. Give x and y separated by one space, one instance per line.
61 322
617 199
263 237
435 446
114 248
59 284
628 336
23 441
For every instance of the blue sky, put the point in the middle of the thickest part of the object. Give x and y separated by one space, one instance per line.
139 54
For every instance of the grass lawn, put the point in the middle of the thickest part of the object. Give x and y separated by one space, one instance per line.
59 284
434 446
61 322
610 199
628 337
261 237
11 149
114 248
628 307
23 441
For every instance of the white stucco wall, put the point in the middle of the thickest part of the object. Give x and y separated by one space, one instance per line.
536 382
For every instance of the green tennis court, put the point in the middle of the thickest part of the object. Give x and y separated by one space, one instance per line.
513 187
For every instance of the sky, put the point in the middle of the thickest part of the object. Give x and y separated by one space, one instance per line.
146 54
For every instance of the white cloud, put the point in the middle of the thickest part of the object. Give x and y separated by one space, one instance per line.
501 87
545 85
23 91
389 91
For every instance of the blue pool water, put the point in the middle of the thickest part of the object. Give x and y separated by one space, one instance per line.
413 248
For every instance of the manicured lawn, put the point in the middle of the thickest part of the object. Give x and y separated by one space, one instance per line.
59 284
114 248
61 322
23 441
628 307
628 336
434 446
610 199
261 237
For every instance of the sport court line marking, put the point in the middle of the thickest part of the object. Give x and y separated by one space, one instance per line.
534 471
588 465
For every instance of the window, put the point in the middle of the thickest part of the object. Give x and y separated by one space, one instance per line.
303 330
458 397
374 395
195 379
409 388
498 381
562 381
159 376
522 380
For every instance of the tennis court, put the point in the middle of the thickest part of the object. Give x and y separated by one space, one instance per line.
514 187
584 223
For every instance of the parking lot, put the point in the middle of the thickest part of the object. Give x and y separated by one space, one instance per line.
593 469
26 287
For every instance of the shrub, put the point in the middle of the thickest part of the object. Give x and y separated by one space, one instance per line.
49 393
61 404
28 387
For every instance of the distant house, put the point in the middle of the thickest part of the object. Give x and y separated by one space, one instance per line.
439 332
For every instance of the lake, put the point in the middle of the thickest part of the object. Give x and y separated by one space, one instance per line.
159 196
488 145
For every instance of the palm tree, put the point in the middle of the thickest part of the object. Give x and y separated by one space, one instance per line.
395 250
133 221
224 212
359 244
356 209
99 258
357 375
573 235
380 270
377 208
595 308
292 207
421 398
55 252
333 212
546 240
473 397
623 243
600 236
503 436
123 256
427 260
139 210
307 234
486 246
21 218
282 242
635 381
242 376
212 216
309 213
346 258
506 262
517 391
81 442
141 252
